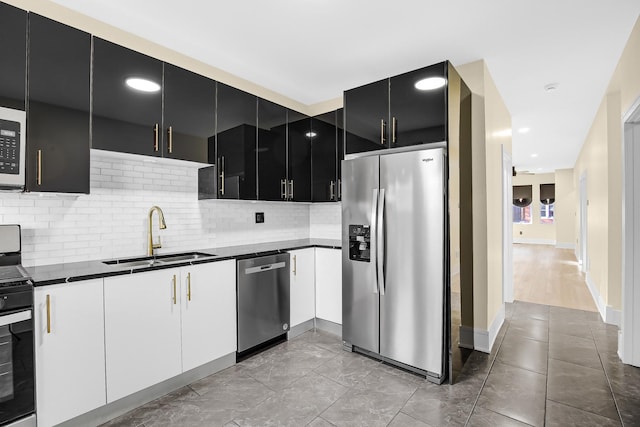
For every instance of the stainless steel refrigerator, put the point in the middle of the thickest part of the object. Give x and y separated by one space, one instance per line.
394 258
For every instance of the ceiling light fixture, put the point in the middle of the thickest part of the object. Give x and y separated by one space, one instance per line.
310 134
430 83
143 85
551 87
523 130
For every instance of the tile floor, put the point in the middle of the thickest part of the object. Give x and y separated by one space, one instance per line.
550 366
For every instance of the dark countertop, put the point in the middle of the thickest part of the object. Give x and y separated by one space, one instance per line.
71 272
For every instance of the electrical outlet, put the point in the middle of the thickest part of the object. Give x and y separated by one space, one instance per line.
259 217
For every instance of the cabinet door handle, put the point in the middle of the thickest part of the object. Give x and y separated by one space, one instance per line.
332 186
283 189
291 188
295 265
39 172
174 290
383 126
189 286
155 138
170 135
394 127
222 175
48 313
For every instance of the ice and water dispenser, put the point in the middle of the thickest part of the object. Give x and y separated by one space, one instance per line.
359 243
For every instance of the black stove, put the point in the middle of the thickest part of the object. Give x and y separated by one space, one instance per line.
16 331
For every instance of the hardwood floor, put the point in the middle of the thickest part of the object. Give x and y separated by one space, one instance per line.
544 274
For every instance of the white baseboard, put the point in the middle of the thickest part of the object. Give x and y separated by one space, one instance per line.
565 246
608 314
534 241
483 340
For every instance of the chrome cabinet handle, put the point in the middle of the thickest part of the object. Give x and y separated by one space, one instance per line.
155 138
222 175
170 134
283 189
39 174
332 186
380 243
383 126
291 190
373 234
48 313
394 128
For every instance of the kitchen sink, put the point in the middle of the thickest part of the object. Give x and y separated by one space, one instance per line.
157 260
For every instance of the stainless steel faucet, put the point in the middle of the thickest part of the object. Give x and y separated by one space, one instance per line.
163 225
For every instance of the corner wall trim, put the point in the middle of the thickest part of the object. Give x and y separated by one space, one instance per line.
534 241
608 314
565 246
483 340
328 326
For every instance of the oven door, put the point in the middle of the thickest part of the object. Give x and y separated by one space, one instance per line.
16 366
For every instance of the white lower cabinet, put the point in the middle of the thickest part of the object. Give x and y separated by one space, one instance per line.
142 330
329 284
69 353
208 312
302 286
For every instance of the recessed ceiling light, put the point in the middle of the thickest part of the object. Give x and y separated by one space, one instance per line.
534 155
310 134
523 130
143 85
551 87
430 83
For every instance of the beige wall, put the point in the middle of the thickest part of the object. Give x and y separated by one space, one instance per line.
601 160
565 209
536 231
490 117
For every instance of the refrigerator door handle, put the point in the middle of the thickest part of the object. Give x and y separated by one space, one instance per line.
372 236
380 243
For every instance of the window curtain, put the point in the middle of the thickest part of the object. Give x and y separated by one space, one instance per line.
547 194
522 195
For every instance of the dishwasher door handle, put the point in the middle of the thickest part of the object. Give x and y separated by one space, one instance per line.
266 267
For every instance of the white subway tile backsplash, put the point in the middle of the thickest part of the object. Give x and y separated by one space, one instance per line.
111 222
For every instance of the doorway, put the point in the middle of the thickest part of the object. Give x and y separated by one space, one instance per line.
583 259
507 227
629 338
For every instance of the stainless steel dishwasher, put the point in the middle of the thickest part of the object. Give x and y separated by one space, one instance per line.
263 300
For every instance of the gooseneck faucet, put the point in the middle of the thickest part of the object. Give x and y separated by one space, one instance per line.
163 225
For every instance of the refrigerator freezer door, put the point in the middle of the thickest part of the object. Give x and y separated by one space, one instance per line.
411 310
360 303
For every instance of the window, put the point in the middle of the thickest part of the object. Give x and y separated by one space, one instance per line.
522 215
546 213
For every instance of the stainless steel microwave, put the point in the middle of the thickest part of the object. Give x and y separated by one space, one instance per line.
13 134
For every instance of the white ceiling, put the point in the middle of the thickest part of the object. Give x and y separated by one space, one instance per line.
312 50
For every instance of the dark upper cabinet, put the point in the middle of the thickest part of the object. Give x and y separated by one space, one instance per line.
324 157
299 136
272 150
13 45
189 114
59 69
401 111
418 116
340 126
235 144
126 119
367 117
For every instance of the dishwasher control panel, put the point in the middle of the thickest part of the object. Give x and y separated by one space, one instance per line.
359 243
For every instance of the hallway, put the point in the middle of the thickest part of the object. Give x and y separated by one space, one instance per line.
544 274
